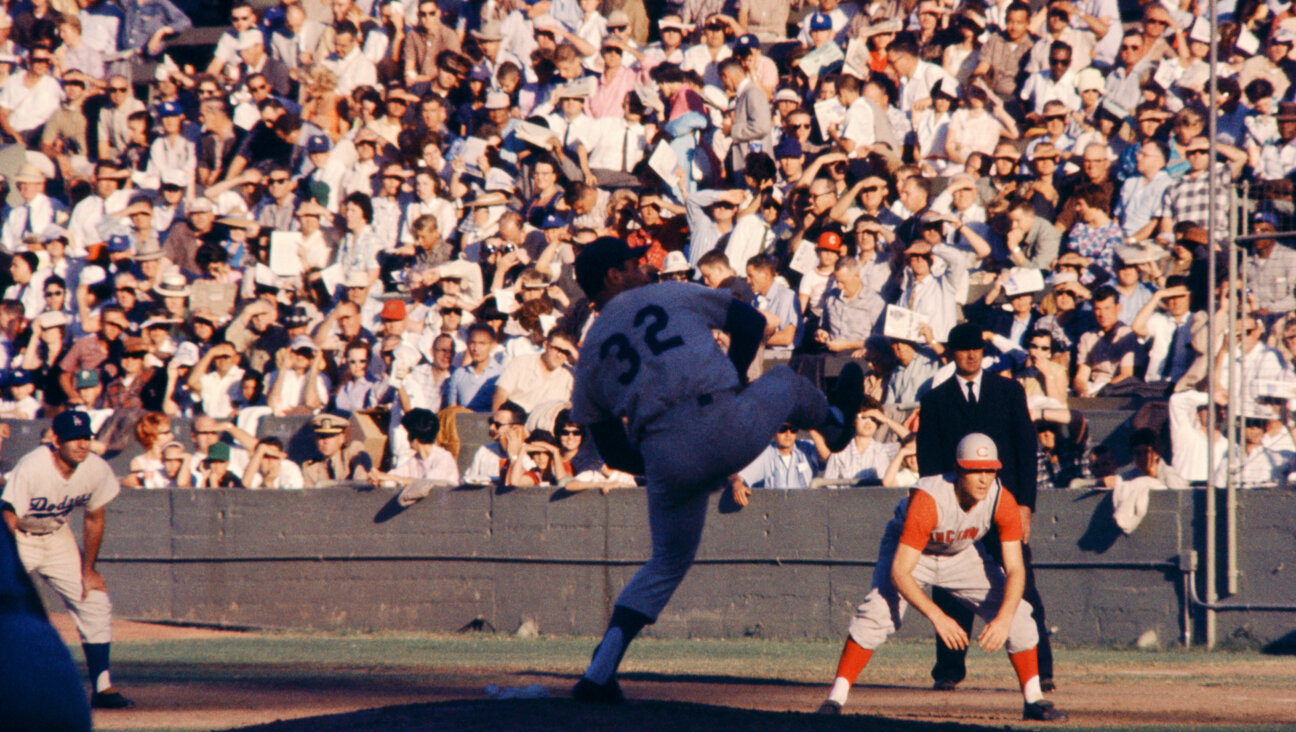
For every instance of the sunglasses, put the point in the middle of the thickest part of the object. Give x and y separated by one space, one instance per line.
1054 117
1198 152
451 311
497 423
568 433
53 293
786 428
117 89
280 180
1156 21
871 189
1059 61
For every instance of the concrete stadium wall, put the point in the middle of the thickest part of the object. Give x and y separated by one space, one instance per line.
793 564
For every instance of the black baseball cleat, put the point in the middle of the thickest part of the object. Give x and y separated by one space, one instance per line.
586 690
945 685
847 395
829 707
110 698
1042 711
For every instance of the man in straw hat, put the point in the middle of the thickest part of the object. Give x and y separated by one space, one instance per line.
36 212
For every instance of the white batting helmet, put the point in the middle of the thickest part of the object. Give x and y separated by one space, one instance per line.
977 452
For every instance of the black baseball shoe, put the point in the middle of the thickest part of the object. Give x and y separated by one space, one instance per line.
847 395
829 707
1042 711
586 690
110 698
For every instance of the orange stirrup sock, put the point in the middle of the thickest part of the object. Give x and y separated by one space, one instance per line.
853 660
1027 665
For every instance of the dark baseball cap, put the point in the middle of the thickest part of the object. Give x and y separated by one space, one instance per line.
72 425
599 256
965 337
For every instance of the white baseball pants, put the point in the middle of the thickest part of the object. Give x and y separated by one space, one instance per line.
690 452
56 557
970 576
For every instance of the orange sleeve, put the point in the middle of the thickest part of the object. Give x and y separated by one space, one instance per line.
919 521
1007 518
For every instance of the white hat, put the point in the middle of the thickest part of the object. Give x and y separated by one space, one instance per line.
977 452
250 38
301 342
92 275
186 354
1140 253
174 177
498 100
172 284
787 95
52 232
674 21
356 278
675 262
1089 79
52 319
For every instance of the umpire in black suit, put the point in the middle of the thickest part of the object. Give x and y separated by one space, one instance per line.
975 401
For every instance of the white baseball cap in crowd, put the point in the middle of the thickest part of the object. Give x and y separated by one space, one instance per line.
977 452
675 262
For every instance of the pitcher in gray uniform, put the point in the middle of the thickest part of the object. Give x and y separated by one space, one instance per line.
662 400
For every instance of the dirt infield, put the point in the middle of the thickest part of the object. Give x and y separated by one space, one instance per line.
194 678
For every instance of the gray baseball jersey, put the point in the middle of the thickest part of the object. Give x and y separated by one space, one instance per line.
650 349
42 498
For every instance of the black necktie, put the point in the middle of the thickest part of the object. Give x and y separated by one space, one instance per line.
971 394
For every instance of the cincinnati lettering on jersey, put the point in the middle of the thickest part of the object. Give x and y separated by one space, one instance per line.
42 508
949 537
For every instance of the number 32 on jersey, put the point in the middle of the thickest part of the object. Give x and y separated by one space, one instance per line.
618 345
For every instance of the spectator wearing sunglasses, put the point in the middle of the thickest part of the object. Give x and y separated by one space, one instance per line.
787 463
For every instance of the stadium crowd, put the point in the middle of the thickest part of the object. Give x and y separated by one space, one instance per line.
357 207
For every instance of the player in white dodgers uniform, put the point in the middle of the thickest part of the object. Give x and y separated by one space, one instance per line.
663 400
40 493
933 541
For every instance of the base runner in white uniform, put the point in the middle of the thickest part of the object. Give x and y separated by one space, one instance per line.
40 494
933 542
663 400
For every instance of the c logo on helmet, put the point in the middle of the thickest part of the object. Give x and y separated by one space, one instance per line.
983 451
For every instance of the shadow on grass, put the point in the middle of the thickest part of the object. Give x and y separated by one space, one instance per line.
564 714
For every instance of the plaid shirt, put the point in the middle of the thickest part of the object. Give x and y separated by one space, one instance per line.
1189 199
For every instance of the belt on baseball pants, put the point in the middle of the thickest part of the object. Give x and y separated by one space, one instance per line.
35 533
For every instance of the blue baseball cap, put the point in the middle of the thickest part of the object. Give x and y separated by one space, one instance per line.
274 17
553 220
1268 217
72 425
599 256
170 109
319 144
820 22
745 43
788 147
19 377
118 243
